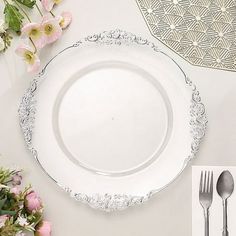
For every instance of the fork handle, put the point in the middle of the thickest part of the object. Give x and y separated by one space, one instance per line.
225 233
225 224
206 216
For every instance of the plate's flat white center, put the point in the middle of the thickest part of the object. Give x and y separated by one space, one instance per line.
112 118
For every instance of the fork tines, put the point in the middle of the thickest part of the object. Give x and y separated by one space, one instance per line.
206 188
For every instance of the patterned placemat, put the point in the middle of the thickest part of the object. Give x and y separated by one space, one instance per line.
201 31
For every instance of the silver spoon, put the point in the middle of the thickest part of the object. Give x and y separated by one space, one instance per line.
225 187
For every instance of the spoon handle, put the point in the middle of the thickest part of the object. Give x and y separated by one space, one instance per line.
225 219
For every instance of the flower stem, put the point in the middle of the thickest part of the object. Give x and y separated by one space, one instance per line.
35 49
40 12
23 11
52 13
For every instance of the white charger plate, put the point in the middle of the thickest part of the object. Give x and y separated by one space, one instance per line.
117 120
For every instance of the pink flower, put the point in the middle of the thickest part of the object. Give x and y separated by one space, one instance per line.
29 56
3 219
65 19
34 32
16 179
51 29
46 17
33 202
49 4
43 229
15 190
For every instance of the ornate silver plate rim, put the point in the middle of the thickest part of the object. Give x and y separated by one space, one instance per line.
111 202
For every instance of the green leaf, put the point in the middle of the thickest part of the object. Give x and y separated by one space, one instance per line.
27 3
5 212
2 202
13 17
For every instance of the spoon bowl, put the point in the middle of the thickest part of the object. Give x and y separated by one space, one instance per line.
225 185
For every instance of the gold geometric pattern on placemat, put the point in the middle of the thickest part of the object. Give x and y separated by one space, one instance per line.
201 31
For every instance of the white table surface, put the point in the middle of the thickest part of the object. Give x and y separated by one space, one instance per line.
168 213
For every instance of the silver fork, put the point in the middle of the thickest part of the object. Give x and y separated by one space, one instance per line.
205 195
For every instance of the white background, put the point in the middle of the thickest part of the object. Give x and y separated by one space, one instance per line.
216 209
168 213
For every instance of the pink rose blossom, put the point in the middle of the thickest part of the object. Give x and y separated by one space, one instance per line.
29 56
51 29
33 202
43 229
16 179
49 4
15 190
65 19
